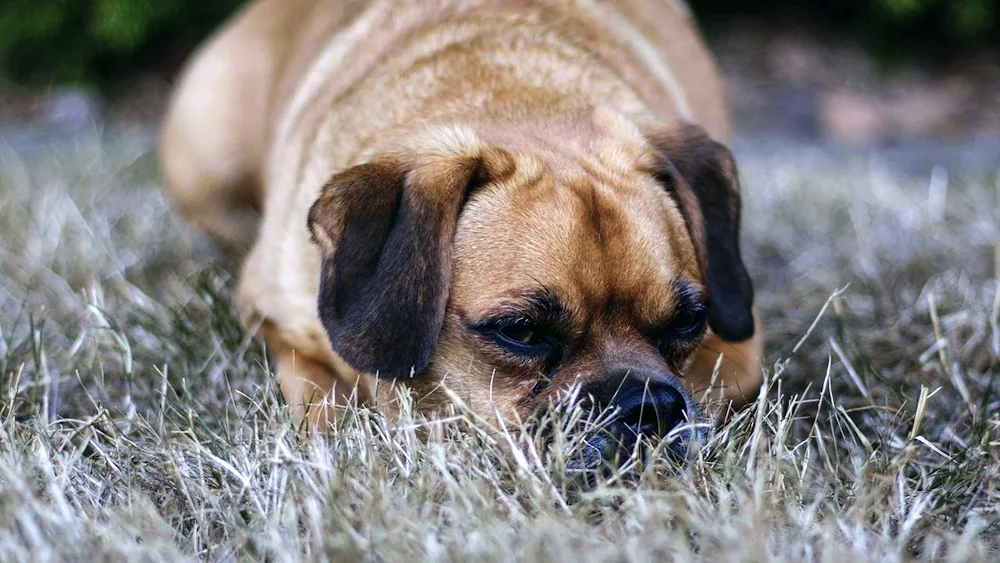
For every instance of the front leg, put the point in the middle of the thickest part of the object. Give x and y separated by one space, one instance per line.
313 389
739 375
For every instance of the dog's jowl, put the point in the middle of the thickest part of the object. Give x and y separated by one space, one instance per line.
503 198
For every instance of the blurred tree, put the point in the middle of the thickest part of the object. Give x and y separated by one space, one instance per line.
962 19
98 42
891 29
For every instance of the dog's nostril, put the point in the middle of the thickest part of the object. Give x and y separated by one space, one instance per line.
652 411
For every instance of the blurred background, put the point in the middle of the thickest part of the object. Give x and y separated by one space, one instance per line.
842 72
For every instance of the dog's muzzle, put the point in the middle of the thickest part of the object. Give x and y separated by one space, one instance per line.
631 414
652 411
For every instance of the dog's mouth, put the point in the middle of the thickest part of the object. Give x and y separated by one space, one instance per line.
590 440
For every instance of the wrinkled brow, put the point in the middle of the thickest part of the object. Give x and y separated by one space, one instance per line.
538 305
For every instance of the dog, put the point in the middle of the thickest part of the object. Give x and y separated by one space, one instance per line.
488 200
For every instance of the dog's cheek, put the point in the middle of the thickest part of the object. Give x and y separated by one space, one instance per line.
463 367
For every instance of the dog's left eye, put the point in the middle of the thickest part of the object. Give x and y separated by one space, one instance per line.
676 339
689 324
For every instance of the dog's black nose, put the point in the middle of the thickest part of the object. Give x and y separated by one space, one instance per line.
652 410
657 407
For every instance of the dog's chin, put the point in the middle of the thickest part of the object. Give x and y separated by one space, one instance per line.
593 452
603 451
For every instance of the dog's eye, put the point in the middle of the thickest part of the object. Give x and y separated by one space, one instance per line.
689 324
523 332
518 335
679 336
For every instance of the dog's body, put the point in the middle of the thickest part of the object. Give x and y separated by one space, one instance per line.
420 166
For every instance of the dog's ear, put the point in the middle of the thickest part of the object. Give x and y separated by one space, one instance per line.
701 176
385 230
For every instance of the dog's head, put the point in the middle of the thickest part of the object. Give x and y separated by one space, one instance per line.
511 275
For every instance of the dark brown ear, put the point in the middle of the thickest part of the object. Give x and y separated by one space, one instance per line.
701 176
385 229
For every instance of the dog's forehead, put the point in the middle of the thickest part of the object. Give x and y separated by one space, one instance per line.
589 230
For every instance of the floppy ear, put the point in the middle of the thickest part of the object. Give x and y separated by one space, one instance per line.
385 230
701 176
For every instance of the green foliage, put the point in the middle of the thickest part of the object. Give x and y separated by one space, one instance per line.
891 29
962 19
98 41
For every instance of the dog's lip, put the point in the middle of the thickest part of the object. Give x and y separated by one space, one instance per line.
595 447
601 450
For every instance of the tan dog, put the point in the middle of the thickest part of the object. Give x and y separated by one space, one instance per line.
501 197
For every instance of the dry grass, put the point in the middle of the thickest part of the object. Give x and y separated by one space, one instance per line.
139 422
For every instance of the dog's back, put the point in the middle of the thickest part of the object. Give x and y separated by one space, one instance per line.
280 63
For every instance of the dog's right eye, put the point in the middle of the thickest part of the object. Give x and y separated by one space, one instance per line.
521 333
521 336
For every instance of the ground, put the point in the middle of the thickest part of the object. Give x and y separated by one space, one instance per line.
138 421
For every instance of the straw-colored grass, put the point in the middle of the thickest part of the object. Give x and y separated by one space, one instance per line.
139 422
